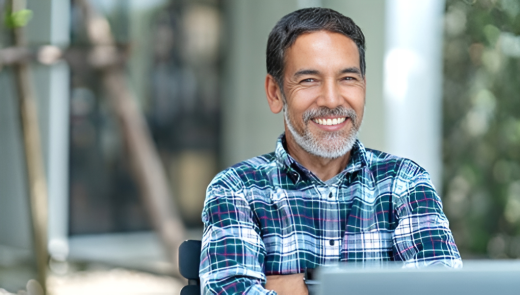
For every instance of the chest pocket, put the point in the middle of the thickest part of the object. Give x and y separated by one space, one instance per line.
284 217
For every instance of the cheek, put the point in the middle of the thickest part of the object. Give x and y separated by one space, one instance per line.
300 103
355 97
360 111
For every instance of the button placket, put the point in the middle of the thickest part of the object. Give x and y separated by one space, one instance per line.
332 241
323 192
332 193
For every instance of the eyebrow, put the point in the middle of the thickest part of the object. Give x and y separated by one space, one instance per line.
352 70
306 72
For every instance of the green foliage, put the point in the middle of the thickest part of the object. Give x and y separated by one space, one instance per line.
17 19
482 126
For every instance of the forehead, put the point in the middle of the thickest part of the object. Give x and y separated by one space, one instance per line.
322 49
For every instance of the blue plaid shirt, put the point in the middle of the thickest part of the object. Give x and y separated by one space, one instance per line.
269 215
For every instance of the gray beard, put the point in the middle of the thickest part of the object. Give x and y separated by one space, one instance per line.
334 144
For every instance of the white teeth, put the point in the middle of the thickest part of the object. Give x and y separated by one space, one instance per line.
330 122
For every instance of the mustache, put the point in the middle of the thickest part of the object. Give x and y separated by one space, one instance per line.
340 111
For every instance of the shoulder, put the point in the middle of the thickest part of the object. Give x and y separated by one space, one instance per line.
234 187
252 171
406 179
385 165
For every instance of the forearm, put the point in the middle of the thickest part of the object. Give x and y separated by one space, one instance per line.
287 284
234 285
232 253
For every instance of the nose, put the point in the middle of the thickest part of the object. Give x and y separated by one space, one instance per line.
330 95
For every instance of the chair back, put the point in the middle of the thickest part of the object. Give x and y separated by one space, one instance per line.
189 260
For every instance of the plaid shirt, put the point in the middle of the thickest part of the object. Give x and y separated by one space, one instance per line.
269 215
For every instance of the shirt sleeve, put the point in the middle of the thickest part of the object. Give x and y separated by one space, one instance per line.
423 236
233 253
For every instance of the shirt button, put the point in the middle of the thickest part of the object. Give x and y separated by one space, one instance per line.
331 242
330 195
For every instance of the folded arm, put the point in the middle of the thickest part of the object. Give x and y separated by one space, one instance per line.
232 256
423 236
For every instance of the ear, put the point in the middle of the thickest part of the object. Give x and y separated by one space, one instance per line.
274 95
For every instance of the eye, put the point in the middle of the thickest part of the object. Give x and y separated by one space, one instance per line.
308 80
349 78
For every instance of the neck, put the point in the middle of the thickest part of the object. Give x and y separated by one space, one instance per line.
323 168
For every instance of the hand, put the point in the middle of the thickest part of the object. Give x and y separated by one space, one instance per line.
287 284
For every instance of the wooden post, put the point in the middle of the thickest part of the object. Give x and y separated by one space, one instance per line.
33 154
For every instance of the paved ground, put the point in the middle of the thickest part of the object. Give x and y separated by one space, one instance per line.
128 264
116 281
113 282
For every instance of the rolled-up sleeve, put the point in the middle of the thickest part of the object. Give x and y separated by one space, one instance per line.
232 254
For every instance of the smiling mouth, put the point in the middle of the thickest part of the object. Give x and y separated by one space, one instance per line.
329 122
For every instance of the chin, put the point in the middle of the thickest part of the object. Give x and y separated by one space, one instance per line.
329 146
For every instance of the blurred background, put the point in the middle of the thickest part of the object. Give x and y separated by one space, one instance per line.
120 84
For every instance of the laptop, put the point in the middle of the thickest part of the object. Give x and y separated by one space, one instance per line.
475 278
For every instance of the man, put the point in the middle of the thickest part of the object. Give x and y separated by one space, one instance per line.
321 197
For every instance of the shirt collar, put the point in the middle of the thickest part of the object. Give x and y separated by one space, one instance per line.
358 157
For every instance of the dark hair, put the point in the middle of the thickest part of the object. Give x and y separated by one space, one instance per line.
306 20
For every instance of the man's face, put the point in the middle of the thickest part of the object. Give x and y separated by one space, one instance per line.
324 93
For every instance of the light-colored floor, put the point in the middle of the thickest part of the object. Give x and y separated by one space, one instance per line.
115 264
116 281
112 281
